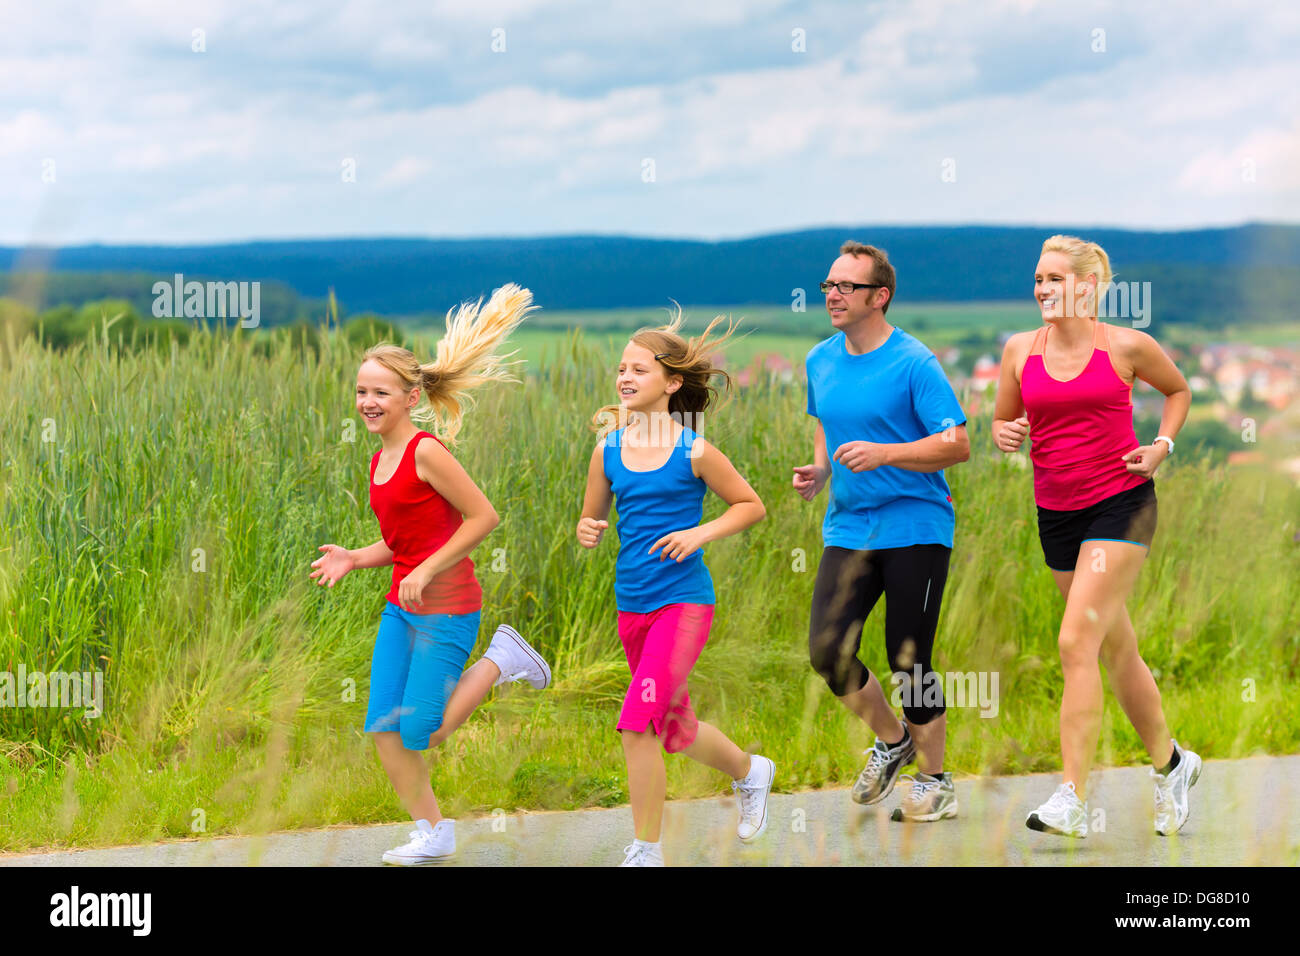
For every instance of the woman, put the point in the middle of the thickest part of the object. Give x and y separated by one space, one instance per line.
1096 512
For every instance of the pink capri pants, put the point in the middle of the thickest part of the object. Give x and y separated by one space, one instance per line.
662 647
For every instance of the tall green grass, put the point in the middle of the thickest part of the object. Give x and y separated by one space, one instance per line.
161 509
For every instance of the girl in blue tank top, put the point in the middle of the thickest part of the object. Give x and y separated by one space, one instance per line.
671 496
658 468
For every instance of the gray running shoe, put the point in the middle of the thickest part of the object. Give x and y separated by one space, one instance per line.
929 799
877 778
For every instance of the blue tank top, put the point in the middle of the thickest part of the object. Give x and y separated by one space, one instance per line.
650 505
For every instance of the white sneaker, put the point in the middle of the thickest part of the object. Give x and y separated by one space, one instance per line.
428 844
643 854
516 659
1064 813
751 794
1171 792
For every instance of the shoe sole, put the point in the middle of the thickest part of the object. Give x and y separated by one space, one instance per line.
762 826
1034 823
889 788
946 814
425 862
1191 782
528 649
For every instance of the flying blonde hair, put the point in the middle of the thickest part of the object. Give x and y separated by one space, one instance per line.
466 358
692 359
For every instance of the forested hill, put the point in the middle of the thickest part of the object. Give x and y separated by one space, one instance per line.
1196 275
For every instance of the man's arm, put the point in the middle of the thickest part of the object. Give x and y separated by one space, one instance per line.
932 453
810 479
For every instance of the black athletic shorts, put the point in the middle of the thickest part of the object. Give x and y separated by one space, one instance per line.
1128 516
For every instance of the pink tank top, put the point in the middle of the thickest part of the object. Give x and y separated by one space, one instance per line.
1078 430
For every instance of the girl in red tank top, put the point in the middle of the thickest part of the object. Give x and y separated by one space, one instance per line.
1096 513
431 517
416 522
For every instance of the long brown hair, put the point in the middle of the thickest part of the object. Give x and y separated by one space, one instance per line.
691 358
466 358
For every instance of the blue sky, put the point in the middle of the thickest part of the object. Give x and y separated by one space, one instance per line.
114 129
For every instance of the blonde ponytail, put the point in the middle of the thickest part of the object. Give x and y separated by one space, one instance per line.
466 358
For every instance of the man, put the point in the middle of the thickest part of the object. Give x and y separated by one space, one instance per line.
887 413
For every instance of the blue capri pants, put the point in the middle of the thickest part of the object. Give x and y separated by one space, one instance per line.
417 661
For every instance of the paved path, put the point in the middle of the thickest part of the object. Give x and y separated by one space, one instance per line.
1244 812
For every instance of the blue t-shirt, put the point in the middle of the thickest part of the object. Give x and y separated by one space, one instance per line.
650 505
893 394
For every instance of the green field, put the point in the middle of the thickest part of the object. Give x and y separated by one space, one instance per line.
161 508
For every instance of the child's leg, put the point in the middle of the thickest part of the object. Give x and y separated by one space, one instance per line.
470 690
647 783
713 748
390 666
409 776
672 647
442 645
508 658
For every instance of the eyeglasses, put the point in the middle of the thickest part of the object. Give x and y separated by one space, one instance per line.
848 288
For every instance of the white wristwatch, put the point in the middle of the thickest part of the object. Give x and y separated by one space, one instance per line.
1167 440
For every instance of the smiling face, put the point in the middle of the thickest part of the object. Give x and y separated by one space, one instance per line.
1060 292
847 311
643 384
382 403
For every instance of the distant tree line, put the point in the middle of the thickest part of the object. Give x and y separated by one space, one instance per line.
62 326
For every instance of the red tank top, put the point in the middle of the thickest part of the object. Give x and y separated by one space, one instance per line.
416 521
1078 430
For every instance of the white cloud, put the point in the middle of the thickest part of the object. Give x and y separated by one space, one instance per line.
158 143
406 170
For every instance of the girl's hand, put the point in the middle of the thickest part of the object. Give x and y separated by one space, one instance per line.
809 480
680 544
410 591
1145 460
1012 434
331 566
590 531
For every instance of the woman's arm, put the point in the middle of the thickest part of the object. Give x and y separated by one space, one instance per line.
1153 366
1009 424
724 481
